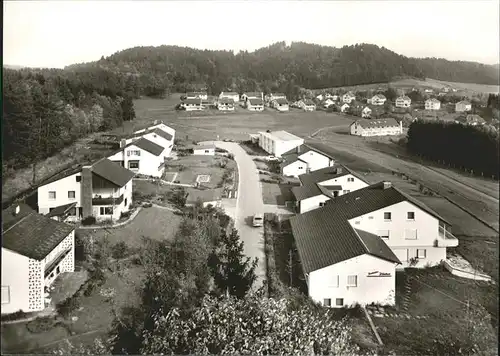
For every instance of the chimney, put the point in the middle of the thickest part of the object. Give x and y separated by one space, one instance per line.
123 143
17 210
387 185
401 126
155 122
86 191
298 149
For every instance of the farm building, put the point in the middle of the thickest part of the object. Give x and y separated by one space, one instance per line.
280 104
204 150
307 105
432 104
368 233
278 142
35 251
255 104
403 102
378 127
225 104
463 106
193 104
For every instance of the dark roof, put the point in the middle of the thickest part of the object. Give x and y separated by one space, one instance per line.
61 210
376 246
254 94
308 102
192 101
225 100
257 101
203 147
147 145
333 187
112 172
389 122
281 101
277 94
31 234
156 131
232 93
324 236
63 174
325 174
306 191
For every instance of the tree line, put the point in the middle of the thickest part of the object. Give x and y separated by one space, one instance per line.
281 68
47 109
197 298
466 147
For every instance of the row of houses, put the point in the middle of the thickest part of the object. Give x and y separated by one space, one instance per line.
352 236
37 246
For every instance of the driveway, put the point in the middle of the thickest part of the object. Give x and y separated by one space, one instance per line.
248 203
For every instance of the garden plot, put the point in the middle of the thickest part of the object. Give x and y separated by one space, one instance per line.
203 178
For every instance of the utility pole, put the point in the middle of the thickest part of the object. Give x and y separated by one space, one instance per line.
290 266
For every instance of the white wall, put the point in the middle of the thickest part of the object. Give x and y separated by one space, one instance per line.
275 146
346 184
295 169
126 190
426 225
316 160
166 144
204 152
379 290
67 264
15 275
255 107
379 131
312 203
61 187
148 162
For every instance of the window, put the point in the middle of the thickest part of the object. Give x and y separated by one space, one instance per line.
350 179
125 201
206 151
346 191
352 281
370 217
384 234
301 167
339 302
421 253
356 222
410 215
78 179
322 203
106 210
133 164
327 302
71 194
52 195
387 216
5 294
410 234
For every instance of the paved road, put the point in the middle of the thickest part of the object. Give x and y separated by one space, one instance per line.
249 202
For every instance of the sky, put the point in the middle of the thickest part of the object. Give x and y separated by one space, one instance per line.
60 33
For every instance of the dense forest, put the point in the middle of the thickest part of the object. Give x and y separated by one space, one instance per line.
280 68
47 109
464 147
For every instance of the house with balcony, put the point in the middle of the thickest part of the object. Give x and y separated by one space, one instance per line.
255 104
155 135
317 187
378 99
351 248
304 159
230 95
432 104
377 127
348 97
403 102
280 104
463 106
141 157
102 190
225 104
35 251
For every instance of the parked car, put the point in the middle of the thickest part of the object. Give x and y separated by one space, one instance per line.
258 220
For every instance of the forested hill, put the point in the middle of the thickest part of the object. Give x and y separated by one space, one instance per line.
283 68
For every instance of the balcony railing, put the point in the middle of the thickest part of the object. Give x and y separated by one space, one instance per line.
51 266
98 200
445 234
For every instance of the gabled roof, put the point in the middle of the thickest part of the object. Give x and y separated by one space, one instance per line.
350 94
192 101
379 96
147 145
256 101
404 97
31 234
203 147
277 94
156 131
366 108
309 191
253 94
112 172
293 154
225 100
61 210
282 135
325 236
327 173
281 101
433 100
308 102
463 102
232 93
376 123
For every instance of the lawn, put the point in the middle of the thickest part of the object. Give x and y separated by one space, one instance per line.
277 194
155 223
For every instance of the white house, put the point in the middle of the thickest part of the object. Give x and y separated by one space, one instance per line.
463 106
470 119
429 90
141 157
102 190
204 150
307 105
254 104
205 196
403 102
348 97
378 99
225 104
318 186
320 97
432 104
193 104
378 127
378 221
280 104
230 95
252 95
305 158
35 251
278 142
366 112
197 95
344 107
328 102
273 96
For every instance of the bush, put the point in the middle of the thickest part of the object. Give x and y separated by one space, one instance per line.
90 288
66 307
125 215
14 316
120 250
40 325
89 220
